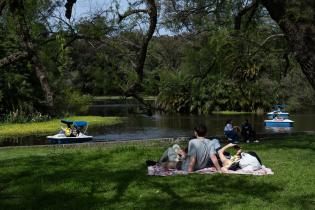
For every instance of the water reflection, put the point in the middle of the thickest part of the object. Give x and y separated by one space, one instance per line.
279 129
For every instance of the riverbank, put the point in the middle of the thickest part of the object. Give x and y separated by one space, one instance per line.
102 98
231 112
115 178
51 126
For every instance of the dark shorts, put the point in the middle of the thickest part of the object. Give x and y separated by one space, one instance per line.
235 166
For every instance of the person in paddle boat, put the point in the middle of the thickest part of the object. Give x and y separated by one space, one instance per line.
241 160
69 132
277 117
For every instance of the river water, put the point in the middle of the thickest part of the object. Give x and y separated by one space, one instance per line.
138 125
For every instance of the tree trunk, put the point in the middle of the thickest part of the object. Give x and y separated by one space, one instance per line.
297 20
152 11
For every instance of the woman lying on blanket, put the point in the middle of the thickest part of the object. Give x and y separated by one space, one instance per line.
241 160
173 158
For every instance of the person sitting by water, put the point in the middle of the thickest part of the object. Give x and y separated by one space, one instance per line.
248 133
230 131
241 160
201 151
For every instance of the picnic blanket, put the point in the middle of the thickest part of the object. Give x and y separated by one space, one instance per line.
160 171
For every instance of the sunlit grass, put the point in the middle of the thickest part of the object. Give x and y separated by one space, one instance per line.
231 112
102 98
115 178
51 126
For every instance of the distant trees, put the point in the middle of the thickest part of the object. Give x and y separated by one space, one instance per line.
220 54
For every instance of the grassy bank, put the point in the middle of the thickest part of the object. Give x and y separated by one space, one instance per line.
115 178
102 98
49 127
231 112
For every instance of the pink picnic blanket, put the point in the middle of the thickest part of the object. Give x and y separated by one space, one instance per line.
160 171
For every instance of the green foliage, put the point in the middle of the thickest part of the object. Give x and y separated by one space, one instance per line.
70 101
174 91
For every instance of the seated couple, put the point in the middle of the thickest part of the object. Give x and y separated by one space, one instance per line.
203 153
247 131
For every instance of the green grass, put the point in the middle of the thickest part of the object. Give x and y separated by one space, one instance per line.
115 178
102 98
230 112
51 126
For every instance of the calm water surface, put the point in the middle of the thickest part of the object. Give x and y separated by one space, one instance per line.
160 126
141 126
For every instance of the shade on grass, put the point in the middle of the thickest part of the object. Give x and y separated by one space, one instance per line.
49 127
115 178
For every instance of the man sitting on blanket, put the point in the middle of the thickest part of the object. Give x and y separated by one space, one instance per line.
201 151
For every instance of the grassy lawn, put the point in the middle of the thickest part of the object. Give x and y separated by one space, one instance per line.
115 178
49 127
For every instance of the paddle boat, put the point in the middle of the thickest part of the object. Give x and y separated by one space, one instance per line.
74 133
278 112
279 122
275 113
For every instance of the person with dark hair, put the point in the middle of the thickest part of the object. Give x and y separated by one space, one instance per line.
248 133
201 151
230 131
241 160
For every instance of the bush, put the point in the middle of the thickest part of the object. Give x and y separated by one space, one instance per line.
19 116
72 102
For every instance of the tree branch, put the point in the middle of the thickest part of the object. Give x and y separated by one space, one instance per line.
131 12
270 37
242 12
14 57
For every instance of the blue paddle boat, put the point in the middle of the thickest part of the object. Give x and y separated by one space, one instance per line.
73 133
279 122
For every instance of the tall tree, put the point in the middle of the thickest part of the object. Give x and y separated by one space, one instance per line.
18 11
297 20
141 54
